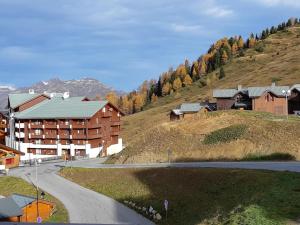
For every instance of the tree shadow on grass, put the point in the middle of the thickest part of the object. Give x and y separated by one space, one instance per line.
238 196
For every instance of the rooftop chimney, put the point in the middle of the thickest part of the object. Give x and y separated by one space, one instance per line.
31 91
239 87
273 84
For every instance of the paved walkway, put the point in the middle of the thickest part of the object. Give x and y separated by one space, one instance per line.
83 205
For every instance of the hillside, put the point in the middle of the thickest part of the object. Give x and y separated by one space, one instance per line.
149 134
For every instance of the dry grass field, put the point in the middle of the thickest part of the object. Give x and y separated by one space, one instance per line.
201 196
149 134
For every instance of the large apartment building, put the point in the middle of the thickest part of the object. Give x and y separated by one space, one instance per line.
49 125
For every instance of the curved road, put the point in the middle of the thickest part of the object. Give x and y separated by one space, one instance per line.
291 166
86 206
83 205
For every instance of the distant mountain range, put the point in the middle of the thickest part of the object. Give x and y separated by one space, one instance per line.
89 87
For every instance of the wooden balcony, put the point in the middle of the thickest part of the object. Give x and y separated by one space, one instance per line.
64 126
115 133
78 126
50 126
35 136
78 136
64 136
51 136
106 114
35 126
116 123
95 125
94 136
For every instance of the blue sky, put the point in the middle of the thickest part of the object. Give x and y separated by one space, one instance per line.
120 42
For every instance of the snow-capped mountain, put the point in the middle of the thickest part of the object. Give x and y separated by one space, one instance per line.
89 87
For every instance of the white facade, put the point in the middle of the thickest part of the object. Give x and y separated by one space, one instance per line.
116 148
90 152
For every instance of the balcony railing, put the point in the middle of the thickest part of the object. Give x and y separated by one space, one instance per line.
36 136
51 136
35 126
64 126
78 136
115 133
78 126
116 123
64 136
50 126
95 125
106 114
94 136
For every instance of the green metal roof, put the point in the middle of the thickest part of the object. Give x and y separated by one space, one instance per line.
16 100
224 93
9 208
22 200
190 107
59 108
258 91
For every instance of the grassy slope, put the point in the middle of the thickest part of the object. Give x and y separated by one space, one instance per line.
10 185
280 60
201 196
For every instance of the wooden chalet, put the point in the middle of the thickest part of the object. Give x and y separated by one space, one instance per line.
189 110
21 208
9 157
279 100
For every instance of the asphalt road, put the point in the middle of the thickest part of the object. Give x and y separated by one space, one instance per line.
86 206
83 205
274 166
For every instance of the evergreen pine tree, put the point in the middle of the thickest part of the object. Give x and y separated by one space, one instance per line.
222 73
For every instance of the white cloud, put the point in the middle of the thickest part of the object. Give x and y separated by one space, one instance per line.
217 11
16 53
274 3
180 28
214 9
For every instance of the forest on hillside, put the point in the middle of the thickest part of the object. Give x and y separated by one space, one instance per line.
171 81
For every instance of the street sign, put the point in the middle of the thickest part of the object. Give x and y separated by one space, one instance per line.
166 203
39 220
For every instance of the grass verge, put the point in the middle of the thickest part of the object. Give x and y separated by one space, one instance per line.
201 196
278 156
10 185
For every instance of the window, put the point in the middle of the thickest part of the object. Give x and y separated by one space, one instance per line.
37 122
38 151
97 131
103 110
38 142
97 120
38 132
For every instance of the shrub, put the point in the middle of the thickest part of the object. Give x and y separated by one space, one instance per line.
278 156
259 47
226 134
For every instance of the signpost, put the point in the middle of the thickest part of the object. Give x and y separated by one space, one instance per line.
39 220
166 203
